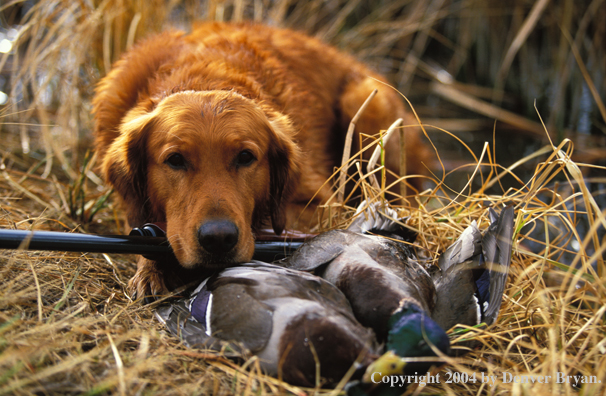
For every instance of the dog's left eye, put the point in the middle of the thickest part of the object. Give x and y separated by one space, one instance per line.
176 161
245 158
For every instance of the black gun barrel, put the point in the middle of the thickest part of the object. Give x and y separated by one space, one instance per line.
71 242
152 247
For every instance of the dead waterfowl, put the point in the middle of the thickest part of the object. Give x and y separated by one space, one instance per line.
383 279
292 319
289 319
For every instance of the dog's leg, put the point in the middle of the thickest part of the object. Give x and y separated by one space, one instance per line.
148 281
385 108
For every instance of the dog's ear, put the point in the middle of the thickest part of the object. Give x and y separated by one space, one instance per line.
284 159
124 86
125 166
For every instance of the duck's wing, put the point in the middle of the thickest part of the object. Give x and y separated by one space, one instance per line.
318 251
179 320
372 221
473 272
496 249
290 319
464 248
456 300
378 218
221 312
312 323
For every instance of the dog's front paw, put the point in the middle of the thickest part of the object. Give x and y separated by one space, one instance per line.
148 282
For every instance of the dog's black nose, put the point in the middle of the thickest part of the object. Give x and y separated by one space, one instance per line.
218 236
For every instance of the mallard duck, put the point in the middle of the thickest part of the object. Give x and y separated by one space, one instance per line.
292 319
409 305
289 319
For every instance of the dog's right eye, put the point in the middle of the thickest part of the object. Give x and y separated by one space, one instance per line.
176 161
245 158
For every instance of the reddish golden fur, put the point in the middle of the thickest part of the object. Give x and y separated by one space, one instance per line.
209 96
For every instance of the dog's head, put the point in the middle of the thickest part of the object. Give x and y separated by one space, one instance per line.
213 165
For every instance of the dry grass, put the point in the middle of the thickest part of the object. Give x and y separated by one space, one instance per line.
66 325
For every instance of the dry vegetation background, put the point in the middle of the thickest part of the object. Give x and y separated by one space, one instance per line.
66 324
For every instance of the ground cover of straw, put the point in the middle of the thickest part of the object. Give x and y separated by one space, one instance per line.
67 325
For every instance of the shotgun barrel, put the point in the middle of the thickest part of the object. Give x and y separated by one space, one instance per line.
71 242
152 247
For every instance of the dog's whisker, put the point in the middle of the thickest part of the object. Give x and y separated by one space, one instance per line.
173 238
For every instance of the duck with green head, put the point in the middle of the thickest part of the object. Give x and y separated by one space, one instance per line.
369 294
409 305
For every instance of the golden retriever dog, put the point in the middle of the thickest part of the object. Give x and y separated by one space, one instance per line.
229 128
